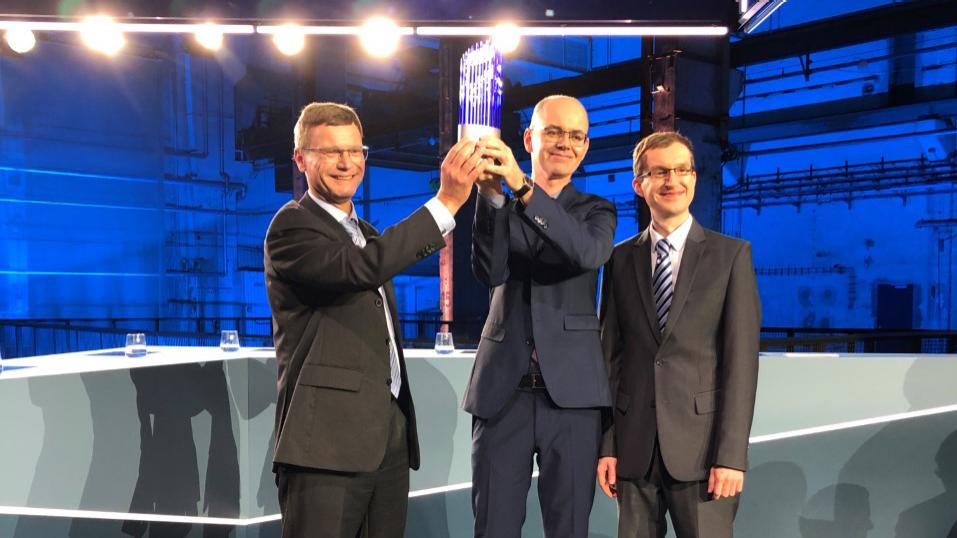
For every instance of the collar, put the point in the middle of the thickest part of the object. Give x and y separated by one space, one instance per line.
336 213
676 239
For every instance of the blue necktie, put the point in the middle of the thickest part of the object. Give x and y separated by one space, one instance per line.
352 226
661 283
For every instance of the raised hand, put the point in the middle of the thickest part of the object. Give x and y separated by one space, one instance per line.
460 168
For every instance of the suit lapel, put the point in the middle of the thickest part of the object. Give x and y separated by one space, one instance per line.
369 231
694 247
641 258
307 202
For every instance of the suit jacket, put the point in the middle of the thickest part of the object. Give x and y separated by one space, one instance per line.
332 341
693 385
541 262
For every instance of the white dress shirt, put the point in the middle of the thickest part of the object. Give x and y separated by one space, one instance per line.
677 240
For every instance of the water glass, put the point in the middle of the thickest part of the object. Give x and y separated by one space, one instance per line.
229 340
443 343
135 345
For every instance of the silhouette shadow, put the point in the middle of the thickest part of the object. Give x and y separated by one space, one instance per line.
936 516
774 495
838 511
167 399
896 464
437 409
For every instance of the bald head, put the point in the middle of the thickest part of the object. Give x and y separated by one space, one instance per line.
565 103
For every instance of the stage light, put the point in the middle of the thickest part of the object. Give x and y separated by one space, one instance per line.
380 37
506 37
289 39
569 30
101 34
20 40
209 36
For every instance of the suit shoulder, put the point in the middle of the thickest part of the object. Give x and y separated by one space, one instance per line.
725 241
292 212
597 200
623 247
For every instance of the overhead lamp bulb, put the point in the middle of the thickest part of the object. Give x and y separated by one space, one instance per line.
102 34
210 36
289 39
20 39
380 37
506 37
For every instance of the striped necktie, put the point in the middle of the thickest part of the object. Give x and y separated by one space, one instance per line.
352 226
662 283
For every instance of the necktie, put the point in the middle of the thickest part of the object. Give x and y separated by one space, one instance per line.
661 283
352 226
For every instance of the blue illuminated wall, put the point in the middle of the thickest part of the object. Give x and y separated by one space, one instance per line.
823 256
122 194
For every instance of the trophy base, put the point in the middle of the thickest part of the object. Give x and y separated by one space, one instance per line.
474 132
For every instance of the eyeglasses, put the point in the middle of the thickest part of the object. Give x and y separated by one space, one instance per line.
556 134
663 173
334 154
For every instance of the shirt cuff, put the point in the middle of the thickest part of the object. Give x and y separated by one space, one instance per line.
497 200
443 217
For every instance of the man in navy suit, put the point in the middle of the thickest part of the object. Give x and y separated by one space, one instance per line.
539 381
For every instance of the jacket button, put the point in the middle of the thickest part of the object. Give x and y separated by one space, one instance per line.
528 342
378 302
658 363
388 381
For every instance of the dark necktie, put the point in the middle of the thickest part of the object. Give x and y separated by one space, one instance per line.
661 283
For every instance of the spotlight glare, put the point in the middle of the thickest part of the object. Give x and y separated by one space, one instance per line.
379 37
506 37
209 36
20 39
101 34
289 39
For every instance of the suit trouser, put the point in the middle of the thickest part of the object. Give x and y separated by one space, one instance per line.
316 503
642 504
565 442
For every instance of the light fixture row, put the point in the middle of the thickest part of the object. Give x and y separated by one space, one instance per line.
379 36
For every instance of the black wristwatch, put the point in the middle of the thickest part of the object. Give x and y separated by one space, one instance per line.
527 185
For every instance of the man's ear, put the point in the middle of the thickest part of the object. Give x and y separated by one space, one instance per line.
527 138
299 160
636 184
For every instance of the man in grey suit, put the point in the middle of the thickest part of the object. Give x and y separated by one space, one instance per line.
538 381
345 424
680 318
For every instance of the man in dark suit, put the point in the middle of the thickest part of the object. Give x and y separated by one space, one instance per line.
345 424
680 320
539 381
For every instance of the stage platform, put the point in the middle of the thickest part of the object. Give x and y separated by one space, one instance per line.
178 443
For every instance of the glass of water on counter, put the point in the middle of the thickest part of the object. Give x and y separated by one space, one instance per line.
443 343
135 345
229 340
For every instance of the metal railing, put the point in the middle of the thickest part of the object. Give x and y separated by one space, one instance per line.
30 337
857 340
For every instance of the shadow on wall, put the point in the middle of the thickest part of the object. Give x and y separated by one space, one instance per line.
897 464
437 407
168 480
838 511
936 516
772 501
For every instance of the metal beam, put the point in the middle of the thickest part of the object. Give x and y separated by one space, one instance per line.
836 32
933 102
